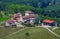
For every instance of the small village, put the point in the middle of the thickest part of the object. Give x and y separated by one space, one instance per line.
27 24
29 17
18 20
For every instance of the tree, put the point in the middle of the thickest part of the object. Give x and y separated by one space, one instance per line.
2 13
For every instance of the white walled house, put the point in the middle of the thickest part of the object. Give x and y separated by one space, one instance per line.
28 13
29 18
7 24
18 24
10 23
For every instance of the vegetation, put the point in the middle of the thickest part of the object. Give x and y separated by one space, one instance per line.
54 19
3 17
57 31
42 8
51 12
6 31
28 25
34 33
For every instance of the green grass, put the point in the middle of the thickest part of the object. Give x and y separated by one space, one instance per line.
34 33
57 31
6 31
4 19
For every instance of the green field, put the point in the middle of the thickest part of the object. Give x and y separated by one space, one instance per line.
4 19
57 31
6 31
34 33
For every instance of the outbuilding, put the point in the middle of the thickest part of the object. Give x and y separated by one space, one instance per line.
48 22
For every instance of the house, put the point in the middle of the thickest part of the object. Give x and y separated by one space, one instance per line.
28 13
10 23
13 23
49 23
29 18
17 17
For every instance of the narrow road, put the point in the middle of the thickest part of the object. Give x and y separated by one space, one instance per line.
53 32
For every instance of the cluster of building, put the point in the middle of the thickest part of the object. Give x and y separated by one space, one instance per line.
18 18
29 17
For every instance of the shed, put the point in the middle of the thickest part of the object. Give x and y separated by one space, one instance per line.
48 22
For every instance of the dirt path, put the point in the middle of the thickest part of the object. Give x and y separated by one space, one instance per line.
27 27
15 32
53 32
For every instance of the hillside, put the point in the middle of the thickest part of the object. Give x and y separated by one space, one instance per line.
6 31
34 33
45 9
35 3
42 6
51 12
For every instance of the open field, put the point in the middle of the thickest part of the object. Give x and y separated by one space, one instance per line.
34 33
57 31
6 31
4 19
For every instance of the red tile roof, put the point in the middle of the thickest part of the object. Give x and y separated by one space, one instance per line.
11 21
48 21
16 15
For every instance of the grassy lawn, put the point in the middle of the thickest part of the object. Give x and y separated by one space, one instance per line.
34 33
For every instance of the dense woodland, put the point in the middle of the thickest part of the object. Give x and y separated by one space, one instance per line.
42 8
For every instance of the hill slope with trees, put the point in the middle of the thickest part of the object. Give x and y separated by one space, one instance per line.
8 7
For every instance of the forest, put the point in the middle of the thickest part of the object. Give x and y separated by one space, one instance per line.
42 8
